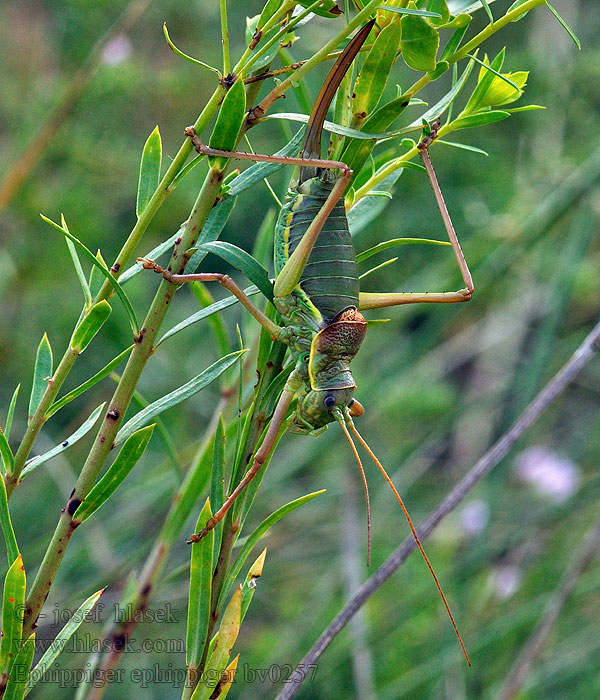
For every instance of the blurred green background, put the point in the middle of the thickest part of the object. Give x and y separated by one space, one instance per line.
439 384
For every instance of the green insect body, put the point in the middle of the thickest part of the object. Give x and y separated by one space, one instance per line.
320 315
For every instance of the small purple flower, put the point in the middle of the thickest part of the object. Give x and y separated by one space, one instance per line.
549 474
117 50
474 517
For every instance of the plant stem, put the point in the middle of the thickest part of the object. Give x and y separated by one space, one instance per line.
39 418
553 389
118 406
225 37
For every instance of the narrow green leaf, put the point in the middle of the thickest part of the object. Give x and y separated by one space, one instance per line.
8 459
266 524
87 295
42 373
244 262
12 549
89 325
377 267
201 570
149 170
524 108
13 599
96 278
327 8
268 11
15 690
180 53
11 412
488 12
205 313
373 75
101 266
128 457
61 640
154 254
104 372
211 231
217 661
249 585
175 397
259 171
464 147
484 82
229 122
420 42
497 73
226 680
83 429
396 242
217 479
409 11
454 42
565 26
479 119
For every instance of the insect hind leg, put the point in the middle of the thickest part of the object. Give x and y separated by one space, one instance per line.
370 300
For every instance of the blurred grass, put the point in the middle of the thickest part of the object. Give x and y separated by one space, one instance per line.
439 384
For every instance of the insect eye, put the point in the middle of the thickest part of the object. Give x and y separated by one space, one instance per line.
351 403
329 401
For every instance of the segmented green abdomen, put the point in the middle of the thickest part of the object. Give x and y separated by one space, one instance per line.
330 277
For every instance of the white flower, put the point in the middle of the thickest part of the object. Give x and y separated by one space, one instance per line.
549 474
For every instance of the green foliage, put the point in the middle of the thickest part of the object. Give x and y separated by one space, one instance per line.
149 170
41 374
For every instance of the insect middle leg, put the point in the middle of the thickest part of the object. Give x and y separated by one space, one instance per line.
369 300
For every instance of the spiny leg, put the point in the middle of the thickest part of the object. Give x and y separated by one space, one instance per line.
370 300
228 283
260 458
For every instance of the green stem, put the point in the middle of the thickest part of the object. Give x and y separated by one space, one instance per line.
39 418
225 37
117 407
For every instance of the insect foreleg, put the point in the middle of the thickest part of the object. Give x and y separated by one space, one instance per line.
225 280
260 457
373 300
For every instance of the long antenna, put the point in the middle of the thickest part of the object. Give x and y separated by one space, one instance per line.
414 534
340 420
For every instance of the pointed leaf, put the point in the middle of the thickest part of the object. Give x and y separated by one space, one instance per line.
514 6
211 231
479 119
484 82
149 171
128 457
12 549
463 146
175 397
13 599
410 11
83 429
217 481
103 270
11 412
226 680
89 325
229 122
565 26
61 640
180 53
377 267
205 313
20 671
373 76
266 524
244 262
201 571
249 585
42 373
8 460
454 42
87 295
396 242
217 662
420 42
104 372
